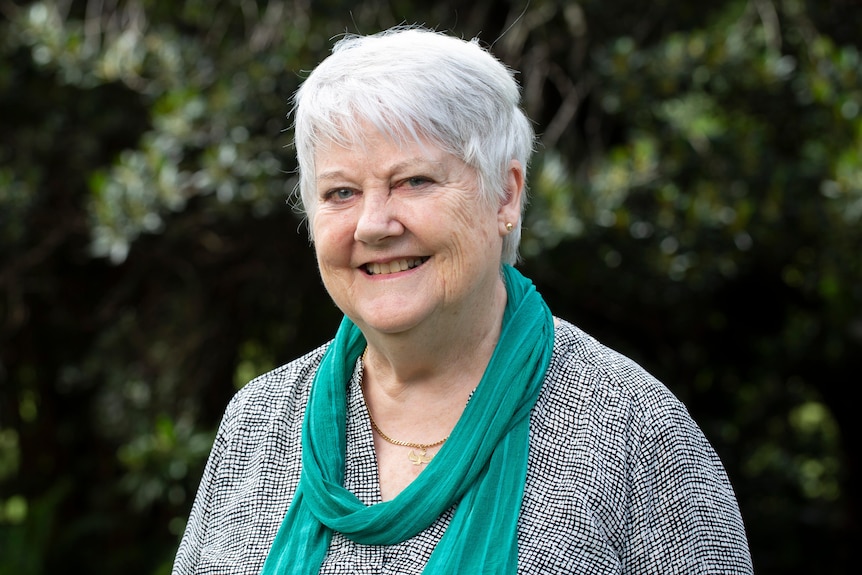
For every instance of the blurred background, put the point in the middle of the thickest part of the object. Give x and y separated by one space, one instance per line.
696 204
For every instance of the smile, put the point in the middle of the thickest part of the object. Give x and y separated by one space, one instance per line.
395 266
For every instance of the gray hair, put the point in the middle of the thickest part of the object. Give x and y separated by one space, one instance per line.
411 82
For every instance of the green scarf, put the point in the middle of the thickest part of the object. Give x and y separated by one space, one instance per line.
482 466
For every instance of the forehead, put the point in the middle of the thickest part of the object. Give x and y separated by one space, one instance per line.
378 151
355 131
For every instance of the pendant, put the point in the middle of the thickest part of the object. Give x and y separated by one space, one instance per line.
418 458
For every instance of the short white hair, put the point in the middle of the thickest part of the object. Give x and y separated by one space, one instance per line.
412 82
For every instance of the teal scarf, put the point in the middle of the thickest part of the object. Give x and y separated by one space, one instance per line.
482 466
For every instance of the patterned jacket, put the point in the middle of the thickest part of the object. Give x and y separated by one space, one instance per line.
620 479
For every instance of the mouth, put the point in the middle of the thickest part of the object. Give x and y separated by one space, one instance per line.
395 266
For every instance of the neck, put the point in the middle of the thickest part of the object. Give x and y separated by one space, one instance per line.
449 351
417 385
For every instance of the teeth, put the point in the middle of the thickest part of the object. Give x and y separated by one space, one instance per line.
393 266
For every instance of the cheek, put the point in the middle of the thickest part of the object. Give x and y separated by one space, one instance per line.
471 247
332 237
465 214
475 228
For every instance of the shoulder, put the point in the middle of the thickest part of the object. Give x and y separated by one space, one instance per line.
620 472
611 413
264 418
282 390
584 371
599 406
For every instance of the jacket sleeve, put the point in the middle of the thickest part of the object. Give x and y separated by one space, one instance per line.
189 552
684 515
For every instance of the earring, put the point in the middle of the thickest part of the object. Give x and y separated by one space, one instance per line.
509 226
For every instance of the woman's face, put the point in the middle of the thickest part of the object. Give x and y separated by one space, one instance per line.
402 235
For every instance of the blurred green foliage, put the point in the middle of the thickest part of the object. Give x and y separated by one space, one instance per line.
696 203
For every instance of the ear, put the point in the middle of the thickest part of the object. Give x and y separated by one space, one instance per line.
509 211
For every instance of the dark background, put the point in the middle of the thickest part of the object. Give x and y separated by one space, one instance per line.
696 204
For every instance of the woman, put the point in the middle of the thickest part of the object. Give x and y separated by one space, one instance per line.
452 425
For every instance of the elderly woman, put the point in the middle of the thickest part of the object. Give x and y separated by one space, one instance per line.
452 425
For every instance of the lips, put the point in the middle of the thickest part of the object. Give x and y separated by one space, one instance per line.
375 269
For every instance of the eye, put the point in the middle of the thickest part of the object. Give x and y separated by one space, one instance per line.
417 181
339 194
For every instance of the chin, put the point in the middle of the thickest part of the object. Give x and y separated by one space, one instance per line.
388 323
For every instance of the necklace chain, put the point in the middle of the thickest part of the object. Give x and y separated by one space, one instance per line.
416 459
422 446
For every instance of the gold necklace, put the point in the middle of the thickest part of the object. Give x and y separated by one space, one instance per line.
415 458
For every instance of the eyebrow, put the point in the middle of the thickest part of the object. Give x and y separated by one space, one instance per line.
411 163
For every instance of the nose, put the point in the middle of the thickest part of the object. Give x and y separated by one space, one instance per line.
378 218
